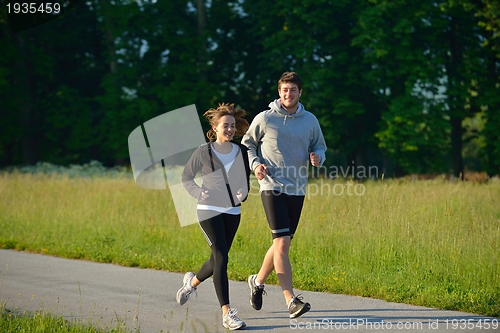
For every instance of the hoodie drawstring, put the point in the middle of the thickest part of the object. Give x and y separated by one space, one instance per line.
284 119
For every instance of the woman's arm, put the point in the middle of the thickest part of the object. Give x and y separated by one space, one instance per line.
192 167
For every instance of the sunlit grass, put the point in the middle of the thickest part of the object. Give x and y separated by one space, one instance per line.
45 321
425 243
431 243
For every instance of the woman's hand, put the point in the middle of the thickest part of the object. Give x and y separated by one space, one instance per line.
204 195
239 195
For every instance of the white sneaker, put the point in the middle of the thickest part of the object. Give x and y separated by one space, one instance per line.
231 321
187 289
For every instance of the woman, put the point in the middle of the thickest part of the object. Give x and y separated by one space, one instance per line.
225 172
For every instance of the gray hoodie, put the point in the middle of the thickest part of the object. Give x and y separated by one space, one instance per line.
283 141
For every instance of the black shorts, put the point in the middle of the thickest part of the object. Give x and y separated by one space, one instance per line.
282 212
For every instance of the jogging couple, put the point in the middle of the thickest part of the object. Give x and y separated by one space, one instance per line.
276 146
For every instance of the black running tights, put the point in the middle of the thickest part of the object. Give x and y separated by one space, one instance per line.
219 231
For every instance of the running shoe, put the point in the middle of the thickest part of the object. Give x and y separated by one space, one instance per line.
256 293
187 289
231 321
297 308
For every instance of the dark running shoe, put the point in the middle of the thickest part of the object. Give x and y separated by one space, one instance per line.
297 308
255 293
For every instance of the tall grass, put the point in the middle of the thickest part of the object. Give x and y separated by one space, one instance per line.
45 322
426 243
430 243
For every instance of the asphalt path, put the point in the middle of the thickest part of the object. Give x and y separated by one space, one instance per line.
107 295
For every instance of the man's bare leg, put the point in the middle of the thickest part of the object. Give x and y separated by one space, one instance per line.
267 266
277 258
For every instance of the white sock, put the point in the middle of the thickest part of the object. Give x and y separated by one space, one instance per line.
191 284
258 284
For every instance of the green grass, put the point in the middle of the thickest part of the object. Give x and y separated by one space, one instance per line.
46 322
430 243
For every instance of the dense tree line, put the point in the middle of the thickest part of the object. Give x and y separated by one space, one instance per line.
411 86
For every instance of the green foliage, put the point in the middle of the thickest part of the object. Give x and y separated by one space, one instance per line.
493 141
424 56
73 89
416 138
93 169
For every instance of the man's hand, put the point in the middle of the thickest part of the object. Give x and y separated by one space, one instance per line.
315 159
260 171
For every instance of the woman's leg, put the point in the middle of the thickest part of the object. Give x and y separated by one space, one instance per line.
220 231
231 224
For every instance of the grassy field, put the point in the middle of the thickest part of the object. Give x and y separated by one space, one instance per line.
431 243
46 322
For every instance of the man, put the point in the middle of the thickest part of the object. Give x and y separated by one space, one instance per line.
281 141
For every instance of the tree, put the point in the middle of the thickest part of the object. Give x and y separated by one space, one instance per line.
418 48
487 13
314 39
385 78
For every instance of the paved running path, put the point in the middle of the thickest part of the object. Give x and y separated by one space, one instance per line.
145 299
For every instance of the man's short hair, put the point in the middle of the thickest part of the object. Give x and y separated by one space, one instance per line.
290 77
